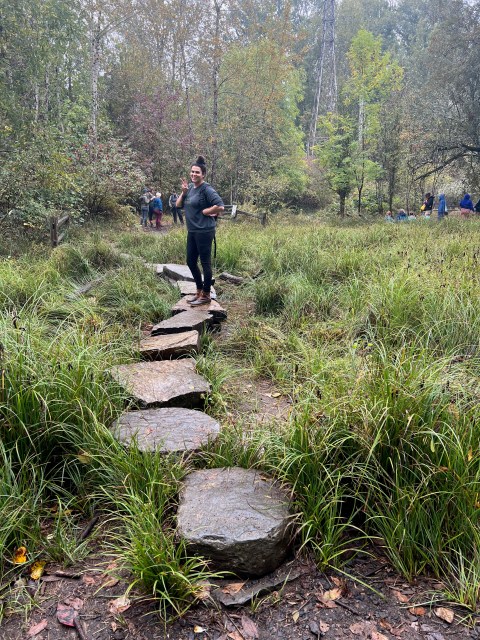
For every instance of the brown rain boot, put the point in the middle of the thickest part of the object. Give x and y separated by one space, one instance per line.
196 296
203 298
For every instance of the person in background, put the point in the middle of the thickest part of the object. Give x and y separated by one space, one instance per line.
466 206
158 209
172 202
389 217
477 207
401 215
427 205
442 206
202 205
150 210
411 216
144 202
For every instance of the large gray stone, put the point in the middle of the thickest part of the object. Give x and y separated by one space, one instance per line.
168 346
167 430
196 319
214 308
163 383
238 518
178 272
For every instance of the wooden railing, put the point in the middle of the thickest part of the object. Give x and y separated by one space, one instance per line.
56 224
234 211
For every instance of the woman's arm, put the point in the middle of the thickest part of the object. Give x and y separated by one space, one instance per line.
213 211
181 197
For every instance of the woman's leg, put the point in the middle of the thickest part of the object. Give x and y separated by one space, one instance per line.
204 245
192 258
158 218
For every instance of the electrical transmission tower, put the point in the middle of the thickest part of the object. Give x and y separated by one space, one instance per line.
326 89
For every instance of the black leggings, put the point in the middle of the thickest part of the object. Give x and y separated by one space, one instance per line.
199 244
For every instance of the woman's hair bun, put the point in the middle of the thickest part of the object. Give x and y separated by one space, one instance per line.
199 161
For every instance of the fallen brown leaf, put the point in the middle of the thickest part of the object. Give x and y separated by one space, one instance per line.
295 616
37 628
448 615
332 594
324 627
249 628
417 611
198 629
110 582
233 588
89 580
119 605
376 635
235 635
401 597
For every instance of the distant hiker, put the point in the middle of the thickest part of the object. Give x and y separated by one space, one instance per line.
172 203
401 215
427 205
442 206
144 202
158 209
411 216
466 206
477 207
202 205
389 217
151 213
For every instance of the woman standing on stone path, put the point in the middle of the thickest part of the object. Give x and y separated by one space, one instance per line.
202 205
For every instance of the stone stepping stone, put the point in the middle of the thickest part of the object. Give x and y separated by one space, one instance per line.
186 321
238 518
163 383
174 345
214 308
168 430
190 288
178 272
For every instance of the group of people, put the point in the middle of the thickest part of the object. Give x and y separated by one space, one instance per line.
201 205
466 208
151 208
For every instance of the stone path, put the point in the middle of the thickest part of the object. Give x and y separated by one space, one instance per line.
238 518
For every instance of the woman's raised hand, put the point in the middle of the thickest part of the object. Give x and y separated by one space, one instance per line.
184 186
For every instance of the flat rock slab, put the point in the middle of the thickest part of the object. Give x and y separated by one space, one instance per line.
195 319
214 308
163 383
178 272
166 430
173 345
238 518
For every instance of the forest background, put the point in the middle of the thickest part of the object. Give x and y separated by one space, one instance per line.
98 99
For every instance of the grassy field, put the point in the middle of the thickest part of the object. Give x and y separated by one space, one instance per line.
372 331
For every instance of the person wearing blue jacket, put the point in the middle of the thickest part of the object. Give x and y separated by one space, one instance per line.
442 206
466 206
158 209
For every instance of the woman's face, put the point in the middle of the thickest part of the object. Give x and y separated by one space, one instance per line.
196 175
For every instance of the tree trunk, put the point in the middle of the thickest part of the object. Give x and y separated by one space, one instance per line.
187 97
342 204
95 72
216 71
